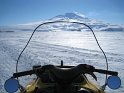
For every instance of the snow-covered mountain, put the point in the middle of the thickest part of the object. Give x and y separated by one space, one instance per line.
75 17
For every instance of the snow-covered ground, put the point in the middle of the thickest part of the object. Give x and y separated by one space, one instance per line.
52 47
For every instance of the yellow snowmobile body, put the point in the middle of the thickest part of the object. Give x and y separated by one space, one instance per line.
86 84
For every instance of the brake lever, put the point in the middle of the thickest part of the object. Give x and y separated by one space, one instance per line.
93 75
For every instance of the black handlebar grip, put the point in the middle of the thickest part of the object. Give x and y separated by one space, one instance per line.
19 74
106 72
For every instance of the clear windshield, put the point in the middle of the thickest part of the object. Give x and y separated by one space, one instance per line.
71 42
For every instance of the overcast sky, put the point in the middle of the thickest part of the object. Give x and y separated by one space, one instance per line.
14 12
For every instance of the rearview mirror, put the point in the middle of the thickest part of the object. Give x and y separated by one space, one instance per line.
11 85
114 82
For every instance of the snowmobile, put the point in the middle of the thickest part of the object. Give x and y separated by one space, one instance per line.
62 78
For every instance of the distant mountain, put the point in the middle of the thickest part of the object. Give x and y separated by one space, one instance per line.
76 17
73 16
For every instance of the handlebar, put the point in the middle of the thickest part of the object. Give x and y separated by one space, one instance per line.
24 73
114 73
40 70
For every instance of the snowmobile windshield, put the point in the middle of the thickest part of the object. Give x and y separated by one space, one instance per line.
73 42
